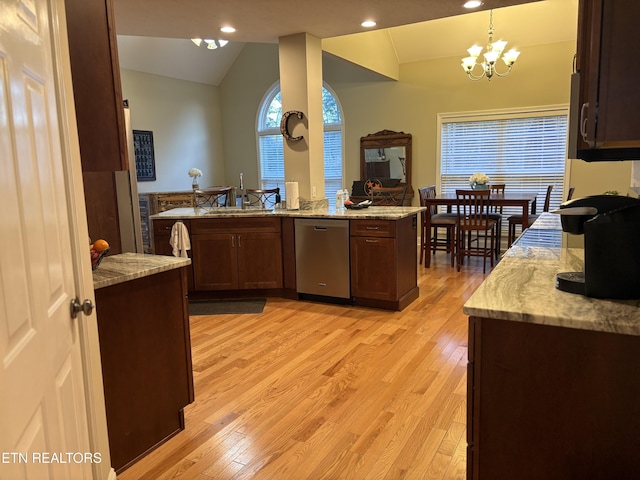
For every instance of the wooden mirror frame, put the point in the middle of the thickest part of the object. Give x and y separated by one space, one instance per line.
387 139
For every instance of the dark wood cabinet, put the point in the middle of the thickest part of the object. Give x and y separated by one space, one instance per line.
97 88
383 262
215 261
145 349
237 253
255 255
605 100
553 403
99 111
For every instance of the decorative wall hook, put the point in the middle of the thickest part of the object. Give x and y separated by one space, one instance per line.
284 125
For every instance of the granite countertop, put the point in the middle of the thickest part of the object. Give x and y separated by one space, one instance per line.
384 213
123 267
521 288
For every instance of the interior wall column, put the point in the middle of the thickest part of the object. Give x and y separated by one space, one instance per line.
301 87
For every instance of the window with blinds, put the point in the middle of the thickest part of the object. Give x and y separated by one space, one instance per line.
271 143
527 152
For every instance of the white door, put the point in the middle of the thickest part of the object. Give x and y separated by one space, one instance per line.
43 419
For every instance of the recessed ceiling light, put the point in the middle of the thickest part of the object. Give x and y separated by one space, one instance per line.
228 29
472 4
368 23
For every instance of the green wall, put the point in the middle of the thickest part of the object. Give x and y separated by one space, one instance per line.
370 103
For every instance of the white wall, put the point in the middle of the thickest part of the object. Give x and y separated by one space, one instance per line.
186 121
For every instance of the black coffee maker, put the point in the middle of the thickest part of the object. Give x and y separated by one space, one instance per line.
611 228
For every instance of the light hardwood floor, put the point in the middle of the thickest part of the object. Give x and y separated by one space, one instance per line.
316 391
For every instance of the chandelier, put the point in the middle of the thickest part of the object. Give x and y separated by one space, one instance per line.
491 56
210 43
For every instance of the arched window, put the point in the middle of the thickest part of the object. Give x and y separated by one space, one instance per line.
270 142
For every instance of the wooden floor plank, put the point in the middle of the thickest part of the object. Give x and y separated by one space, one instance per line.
309 390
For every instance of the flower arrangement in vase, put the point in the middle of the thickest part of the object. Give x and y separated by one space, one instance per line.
194 173
479 181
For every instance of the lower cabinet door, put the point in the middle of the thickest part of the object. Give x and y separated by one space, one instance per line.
373 267
163 247
259 260
215 264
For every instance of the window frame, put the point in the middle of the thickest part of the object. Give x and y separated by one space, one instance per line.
261 131
504 114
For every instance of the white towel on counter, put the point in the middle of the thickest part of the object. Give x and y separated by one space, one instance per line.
179 240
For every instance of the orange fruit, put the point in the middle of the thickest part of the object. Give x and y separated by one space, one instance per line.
100 245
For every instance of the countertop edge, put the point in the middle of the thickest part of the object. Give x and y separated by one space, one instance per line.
374 213
124 267
521 288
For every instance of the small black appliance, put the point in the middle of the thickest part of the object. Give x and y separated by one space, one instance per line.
611 228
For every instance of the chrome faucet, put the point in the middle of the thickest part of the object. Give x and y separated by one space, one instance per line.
242 192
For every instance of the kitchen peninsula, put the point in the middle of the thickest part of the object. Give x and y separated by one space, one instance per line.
245 252
145 348
552 390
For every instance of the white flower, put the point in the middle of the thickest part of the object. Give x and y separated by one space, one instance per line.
195 172
479 178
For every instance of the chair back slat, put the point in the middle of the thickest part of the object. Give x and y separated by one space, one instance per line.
473 209
497 188
263 198
426 193
547 199
212 197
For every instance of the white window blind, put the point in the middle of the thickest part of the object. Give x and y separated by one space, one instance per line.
526 153
271 162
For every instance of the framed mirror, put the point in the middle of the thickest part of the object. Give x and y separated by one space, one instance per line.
385 156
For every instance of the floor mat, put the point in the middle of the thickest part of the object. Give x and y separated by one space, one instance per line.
226 307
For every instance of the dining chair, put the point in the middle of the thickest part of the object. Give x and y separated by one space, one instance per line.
473 217
495 213
515 220
388 196
437 220
212 197
263 198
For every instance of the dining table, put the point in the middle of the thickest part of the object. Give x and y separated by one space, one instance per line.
510 198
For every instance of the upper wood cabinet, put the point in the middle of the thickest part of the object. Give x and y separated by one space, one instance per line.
605 99
96 85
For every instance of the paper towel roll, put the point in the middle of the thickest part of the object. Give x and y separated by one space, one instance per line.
292 194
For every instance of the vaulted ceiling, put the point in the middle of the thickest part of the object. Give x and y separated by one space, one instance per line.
153 35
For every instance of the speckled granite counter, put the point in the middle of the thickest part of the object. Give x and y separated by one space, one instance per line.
385 213
130 266
522 288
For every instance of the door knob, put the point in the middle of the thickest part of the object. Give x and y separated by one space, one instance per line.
85 307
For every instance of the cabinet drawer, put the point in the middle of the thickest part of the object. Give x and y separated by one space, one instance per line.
236 225
373 228
163 227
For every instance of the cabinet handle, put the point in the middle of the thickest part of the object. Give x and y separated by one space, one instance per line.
372 228
583 121
239 241
233 241
370 241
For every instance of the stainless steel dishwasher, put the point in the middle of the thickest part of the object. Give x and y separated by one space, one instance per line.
322 257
